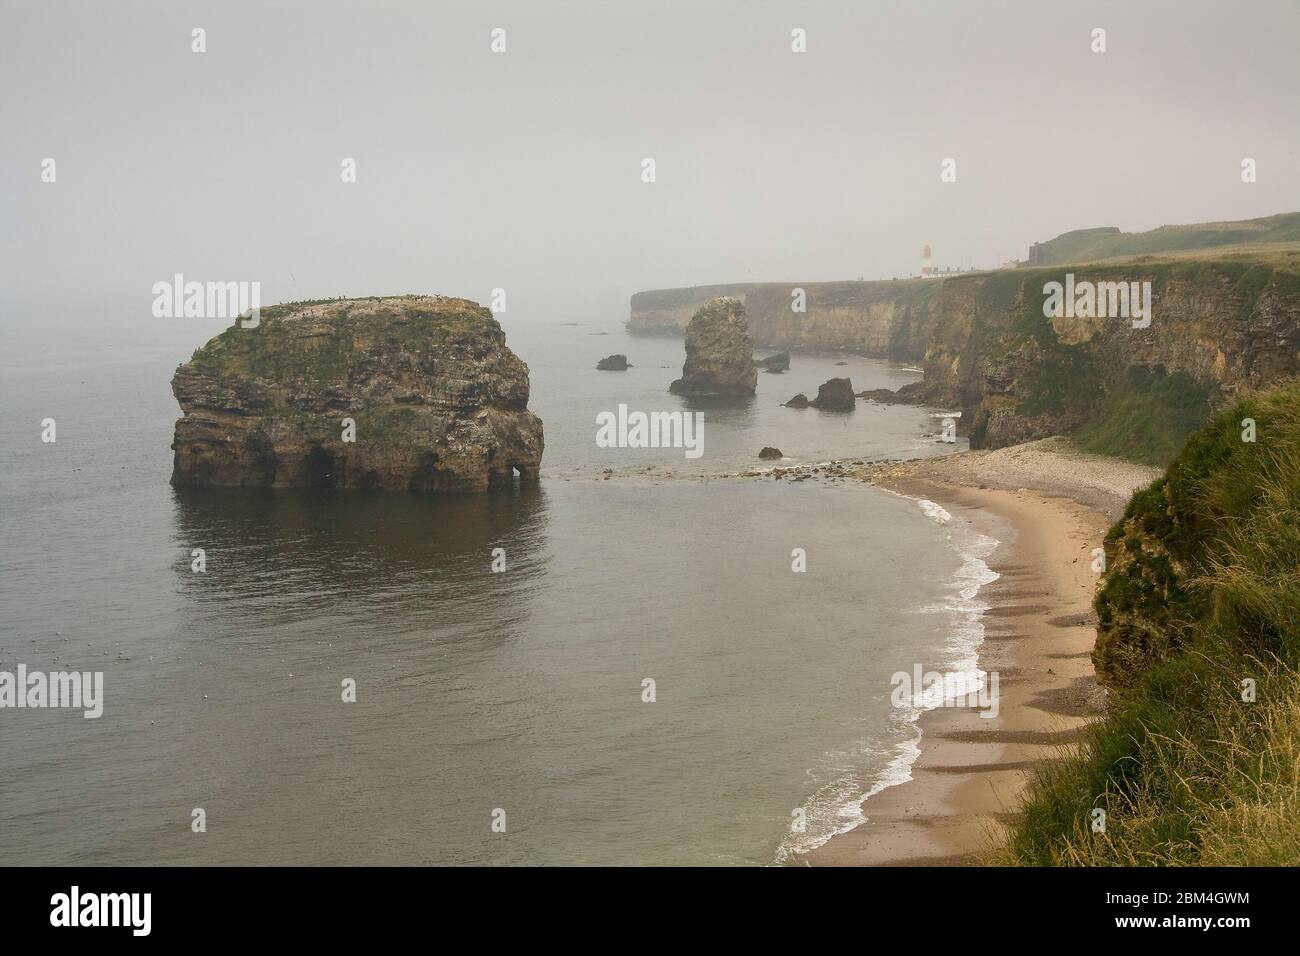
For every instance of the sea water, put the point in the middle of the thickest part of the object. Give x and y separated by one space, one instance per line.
647 682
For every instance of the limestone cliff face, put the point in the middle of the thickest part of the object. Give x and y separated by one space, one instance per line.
669 311
436 400
1217 327
1221 323
719 352
887 319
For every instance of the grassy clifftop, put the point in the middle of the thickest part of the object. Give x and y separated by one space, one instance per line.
1090 245
1198 761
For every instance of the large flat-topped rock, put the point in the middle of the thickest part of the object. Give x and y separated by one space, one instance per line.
410 393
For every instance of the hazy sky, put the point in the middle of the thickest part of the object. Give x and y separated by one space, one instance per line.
522 170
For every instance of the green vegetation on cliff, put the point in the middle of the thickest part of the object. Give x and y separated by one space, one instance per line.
1224 319
1200 605
1107 242
342 326
1220 324
1147 416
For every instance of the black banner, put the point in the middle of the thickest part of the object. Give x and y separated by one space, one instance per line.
300 905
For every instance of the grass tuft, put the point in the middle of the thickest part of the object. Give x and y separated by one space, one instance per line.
1201 600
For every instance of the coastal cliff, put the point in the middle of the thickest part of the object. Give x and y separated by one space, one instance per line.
891 319
669 311
1128 387
1220 323
1225 299
1108 242
1198 641
1231 492
410 393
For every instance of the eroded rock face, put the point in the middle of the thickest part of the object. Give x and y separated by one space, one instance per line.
892 319
835 395
882 396
1222 324
437 400
719 352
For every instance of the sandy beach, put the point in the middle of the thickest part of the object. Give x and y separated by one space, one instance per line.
1048 506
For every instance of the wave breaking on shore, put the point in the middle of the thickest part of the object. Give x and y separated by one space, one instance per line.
841 805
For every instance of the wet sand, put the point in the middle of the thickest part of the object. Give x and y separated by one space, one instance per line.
971 775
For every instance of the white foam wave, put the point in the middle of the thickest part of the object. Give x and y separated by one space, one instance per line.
932 510
840 806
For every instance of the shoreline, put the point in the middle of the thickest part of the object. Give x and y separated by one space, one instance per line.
1047 505
971 774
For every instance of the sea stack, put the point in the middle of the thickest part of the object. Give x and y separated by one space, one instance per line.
409 393
719 352
835 395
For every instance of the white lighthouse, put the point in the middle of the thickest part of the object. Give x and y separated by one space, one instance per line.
927 262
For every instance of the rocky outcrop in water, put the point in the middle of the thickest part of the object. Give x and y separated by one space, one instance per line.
613 363
799 401
769 453
882 396
889 318
1224 322
779 362
1220 326
835 395
719 352
410 393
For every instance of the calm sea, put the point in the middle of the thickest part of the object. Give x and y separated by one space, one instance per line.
476 692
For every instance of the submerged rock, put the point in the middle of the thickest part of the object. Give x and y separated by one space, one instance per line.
904 396
914 393
835 395
719 352
410 393
613 363
768 453
774 363
799 401
911 394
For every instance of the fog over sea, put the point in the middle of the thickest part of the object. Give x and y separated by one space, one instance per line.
519 690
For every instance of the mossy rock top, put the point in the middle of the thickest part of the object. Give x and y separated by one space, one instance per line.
435 397
315 339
